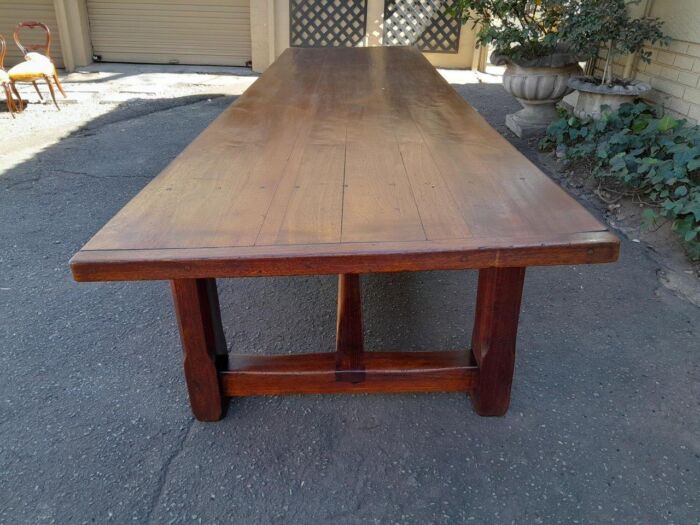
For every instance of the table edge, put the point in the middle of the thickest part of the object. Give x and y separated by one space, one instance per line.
318 259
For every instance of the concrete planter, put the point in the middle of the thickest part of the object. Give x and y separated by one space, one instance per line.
539 85
592 96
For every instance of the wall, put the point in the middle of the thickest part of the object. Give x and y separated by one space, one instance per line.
72 19
674 71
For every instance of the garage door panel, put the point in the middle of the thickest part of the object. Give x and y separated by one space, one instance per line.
215 32
138 26
186 3
173 10
157 14
179 32
166 58
174 40
167 50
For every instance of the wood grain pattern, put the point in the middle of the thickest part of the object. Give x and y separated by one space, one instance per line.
449 371
316 259
493 339
345 161
349 340
203 344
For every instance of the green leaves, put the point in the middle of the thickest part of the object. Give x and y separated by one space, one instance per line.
686 228
659 156
681 191
527 29
649 215
519 29
649 218
666 123
639 125
589 25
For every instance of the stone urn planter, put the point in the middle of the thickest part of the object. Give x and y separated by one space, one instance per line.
592 96
539 85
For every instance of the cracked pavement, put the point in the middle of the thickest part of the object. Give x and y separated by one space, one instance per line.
95 425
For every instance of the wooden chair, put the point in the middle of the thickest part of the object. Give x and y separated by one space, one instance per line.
5 80
37 62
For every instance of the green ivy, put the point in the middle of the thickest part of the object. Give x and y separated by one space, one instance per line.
656 155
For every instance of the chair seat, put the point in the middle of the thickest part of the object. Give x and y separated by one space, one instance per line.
34 68
4 77
33 55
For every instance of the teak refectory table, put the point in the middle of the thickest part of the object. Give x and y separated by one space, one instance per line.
346 161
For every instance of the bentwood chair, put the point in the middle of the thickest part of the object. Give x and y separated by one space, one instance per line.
37 63
5 80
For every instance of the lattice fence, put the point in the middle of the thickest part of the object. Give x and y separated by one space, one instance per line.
327 23
424 23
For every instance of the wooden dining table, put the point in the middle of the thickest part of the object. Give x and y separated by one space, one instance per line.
346 161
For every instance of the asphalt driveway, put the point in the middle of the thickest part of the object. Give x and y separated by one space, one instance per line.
95 425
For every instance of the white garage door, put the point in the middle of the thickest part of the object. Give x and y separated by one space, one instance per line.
212 32
12 12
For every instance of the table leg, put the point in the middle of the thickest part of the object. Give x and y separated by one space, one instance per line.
349 363
494 335
203 344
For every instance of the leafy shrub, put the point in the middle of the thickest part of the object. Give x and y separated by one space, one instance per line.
591 24
657 156
519 29
529 29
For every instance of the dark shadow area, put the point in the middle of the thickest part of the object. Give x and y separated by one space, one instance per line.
3 106
95 423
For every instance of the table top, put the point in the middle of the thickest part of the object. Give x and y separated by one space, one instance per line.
343 161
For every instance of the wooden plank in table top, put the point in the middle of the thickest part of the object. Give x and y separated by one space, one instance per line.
218 191
499 191
308 203
343 146
378 203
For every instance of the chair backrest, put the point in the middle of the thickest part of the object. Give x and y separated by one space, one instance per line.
3 49
44 48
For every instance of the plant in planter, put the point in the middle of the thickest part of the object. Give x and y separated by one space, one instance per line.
590 25
525 35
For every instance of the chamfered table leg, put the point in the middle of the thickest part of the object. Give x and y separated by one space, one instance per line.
203 344
349 363
493 338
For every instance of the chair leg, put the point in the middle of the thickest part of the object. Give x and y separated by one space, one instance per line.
53 95
41 97
20 106
10 100
58 84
